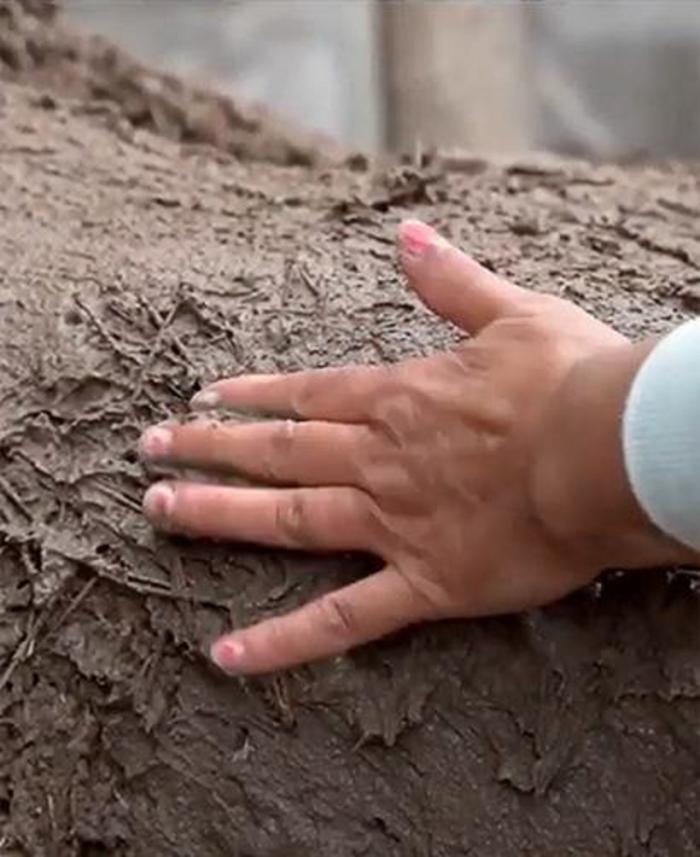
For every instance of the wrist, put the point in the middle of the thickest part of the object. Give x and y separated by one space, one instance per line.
580 488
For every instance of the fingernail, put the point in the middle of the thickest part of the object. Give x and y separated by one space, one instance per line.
156 442
205 399
158 501
227 654
416 237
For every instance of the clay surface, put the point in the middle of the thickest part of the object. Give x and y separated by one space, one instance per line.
130 274
36 47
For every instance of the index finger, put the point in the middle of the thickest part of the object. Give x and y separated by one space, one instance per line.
366 610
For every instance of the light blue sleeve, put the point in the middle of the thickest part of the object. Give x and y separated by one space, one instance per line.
661 435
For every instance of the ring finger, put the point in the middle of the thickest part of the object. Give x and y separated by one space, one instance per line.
322 519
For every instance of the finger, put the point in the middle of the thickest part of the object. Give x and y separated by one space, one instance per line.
284 452
452 284
321 394
324 519
364 611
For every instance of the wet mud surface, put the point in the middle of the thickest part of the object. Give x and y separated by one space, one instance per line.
37 47
129 276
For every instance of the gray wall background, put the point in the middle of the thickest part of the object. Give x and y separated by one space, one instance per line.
608 78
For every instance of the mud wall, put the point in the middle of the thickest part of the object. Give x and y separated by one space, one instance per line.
131 273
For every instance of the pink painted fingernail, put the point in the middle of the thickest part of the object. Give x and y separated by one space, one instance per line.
416 237
158 501
206 399
156 442
227 654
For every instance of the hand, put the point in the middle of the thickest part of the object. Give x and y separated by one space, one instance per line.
458 469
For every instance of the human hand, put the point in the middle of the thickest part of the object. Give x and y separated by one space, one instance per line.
472 473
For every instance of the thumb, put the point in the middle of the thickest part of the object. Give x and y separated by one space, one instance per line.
452 284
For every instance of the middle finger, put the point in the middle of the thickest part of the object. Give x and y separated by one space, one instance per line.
283 452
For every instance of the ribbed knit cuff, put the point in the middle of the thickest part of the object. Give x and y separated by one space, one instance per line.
661 435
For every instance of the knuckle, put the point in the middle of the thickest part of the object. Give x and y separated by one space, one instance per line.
291 516
336 616
278 449
310 390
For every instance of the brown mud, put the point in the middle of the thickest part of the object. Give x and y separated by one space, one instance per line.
129 276
37 47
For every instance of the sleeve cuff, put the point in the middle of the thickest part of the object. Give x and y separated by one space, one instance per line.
661 435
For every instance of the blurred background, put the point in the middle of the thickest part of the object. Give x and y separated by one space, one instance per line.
601 78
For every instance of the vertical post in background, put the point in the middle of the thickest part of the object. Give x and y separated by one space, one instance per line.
455 75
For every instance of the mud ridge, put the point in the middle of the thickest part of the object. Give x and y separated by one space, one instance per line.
37 47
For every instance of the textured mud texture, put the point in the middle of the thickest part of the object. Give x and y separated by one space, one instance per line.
104 81
130 275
